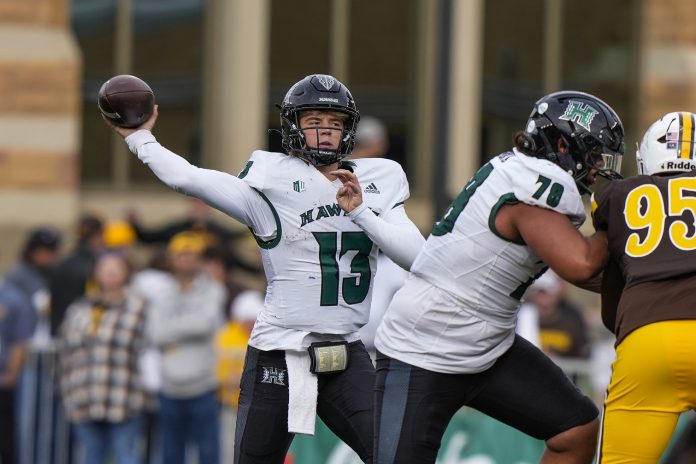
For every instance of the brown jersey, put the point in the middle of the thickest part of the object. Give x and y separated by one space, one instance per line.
651 226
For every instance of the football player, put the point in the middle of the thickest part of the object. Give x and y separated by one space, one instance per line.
649 220
319 221
448 338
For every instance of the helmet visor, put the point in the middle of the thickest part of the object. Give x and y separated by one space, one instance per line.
608 165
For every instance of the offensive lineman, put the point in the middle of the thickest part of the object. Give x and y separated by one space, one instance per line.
319 234
448 337
649 220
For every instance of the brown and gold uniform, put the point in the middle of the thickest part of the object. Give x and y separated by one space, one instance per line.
649 302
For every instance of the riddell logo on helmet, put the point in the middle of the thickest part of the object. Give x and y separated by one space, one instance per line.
325 99
680 165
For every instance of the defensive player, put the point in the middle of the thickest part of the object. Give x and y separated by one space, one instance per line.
319 234
448 338
649 220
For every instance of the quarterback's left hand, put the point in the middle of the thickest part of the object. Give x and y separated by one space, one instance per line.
349 196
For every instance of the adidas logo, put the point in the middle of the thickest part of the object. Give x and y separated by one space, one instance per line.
372 188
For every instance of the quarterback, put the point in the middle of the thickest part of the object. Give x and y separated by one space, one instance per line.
448 337
320 221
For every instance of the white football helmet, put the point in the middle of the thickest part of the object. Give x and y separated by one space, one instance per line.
668 145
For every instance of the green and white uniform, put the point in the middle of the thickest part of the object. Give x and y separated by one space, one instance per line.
319 261
457 312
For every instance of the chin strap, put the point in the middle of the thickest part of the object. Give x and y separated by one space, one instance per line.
609 174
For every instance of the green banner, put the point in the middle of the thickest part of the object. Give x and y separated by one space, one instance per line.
471 438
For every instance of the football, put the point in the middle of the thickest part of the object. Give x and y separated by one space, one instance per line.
126 100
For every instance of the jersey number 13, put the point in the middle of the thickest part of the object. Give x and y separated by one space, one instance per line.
354 289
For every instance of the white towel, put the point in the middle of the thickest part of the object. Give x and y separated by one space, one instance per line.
303 391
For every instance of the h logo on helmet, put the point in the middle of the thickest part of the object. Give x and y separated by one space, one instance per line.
581 113
326 81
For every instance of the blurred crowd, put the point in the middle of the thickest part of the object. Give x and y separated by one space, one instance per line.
137 334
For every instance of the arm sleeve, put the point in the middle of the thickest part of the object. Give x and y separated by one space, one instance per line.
612 289
221 190
394 233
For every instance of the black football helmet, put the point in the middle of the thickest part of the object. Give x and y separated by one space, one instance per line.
589 127
319 92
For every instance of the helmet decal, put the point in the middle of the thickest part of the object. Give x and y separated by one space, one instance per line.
326 81
686 121
581 113
553 132
668 145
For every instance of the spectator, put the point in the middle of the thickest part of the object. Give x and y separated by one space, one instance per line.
218 264
99 350
71 276
371 139
198 219
119 235
231 344
15 329
184 318
31 275
562 328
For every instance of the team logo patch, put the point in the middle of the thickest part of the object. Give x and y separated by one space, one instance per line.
326 81
298 186
582 113
372 188
274 375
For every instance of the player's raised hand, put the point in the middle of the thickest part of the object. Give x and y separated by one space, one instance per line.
126 131
349 196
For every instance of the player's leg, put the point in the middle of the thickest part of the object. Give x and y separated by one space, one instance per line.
653 380
261 435
413 407
526 390
345 401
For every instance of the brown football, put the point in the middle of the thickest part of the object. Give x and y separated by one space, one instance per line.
126 100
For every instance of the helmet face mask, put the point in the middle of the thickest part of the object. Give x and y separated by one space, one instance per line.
589 128
324 93
668 145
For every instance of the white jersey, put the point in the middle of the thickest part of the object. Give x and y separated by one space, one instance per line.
321 266
319 261
457 312
388 280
